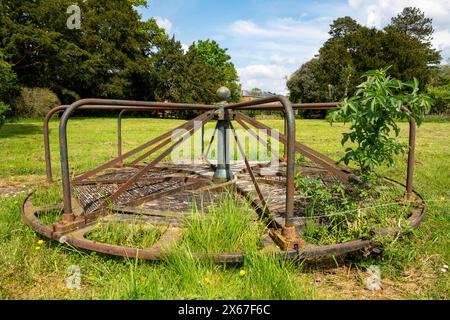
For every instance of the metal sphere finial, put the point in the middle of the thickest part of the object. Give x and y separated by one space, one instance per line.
224 93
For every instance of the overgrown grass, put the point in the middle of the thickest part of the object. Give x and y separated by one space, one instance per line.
411 266
335 214
132 235
229 226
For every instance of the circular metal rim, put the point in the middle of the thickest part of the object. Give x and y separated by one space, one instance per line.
76 238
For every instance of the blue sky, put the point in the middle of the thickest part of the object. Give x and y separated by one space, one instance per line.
269 39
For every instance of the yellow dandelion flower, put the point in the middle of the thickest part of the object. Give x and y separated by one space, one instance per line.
40 242
242 273
207 280
38 248
442 198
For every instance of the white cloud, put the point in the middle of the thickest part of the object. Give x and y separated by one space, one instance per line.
274 49
185 47
276 58
280 28
268 77
166 24
381 11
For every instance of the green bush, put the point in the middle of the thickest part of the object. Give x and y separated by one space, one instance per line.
8 79
441 97
34 102
8 85
378 103
4 108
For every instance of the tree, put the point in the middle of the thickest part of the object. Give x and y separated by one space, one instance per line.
304 84
353 49
8 85
342 27
218 59
108 57
409 57
184 77
412 22
256 92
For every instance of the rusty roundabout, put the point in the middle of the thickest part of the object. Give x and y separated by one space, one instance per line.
140 187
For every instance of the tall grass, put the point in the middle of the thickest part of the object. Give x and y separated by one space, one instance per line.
231 225
133 235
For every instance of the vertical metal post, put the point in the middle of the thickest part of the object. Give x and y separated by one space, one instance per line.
285 153
48 160
411 157
119 135
223 170
203 139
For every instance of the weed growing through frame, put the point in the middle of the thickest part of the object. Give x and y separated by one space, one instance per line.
336 214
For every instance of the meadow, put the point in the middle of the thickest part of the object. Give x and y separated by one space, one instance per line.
35 268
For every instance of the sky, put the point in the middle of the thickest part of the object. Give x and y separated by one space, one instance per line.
269 39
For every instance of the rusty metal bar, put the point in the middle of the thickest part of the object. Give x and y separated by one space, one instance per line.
119 133
313 155
48 163
411 157
133 152
55 110
265 208
265 105
205 155
158 159
290 146
176 135
65 171
257 137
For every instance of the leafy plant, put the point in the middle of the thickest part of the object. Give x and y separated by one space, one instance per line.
373 111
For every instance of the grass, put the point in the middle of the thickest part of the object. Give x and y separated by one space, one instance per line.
230 226
335 214
32 269
132 235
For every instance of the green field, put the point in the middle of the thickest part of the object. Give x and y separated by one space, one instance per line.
32 269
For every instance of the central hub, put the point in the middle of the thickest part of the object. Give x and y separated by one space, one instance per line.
223 171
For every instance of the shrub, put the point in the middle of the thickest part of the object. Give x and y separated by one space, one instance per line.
373 111
4 108
8 79
8 85
441 97
34 102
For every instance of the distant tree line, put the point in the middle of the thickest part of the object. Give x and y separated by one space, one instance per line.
115 54
352 49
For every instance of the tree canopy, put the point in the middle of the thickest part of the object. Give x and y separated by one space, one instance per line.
352 49
115 54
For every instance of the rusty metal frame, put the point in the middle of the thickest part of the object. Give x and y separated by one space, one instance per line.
290 146
264 206
288 139
65 171
52 112
153 163
29 215
259 139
